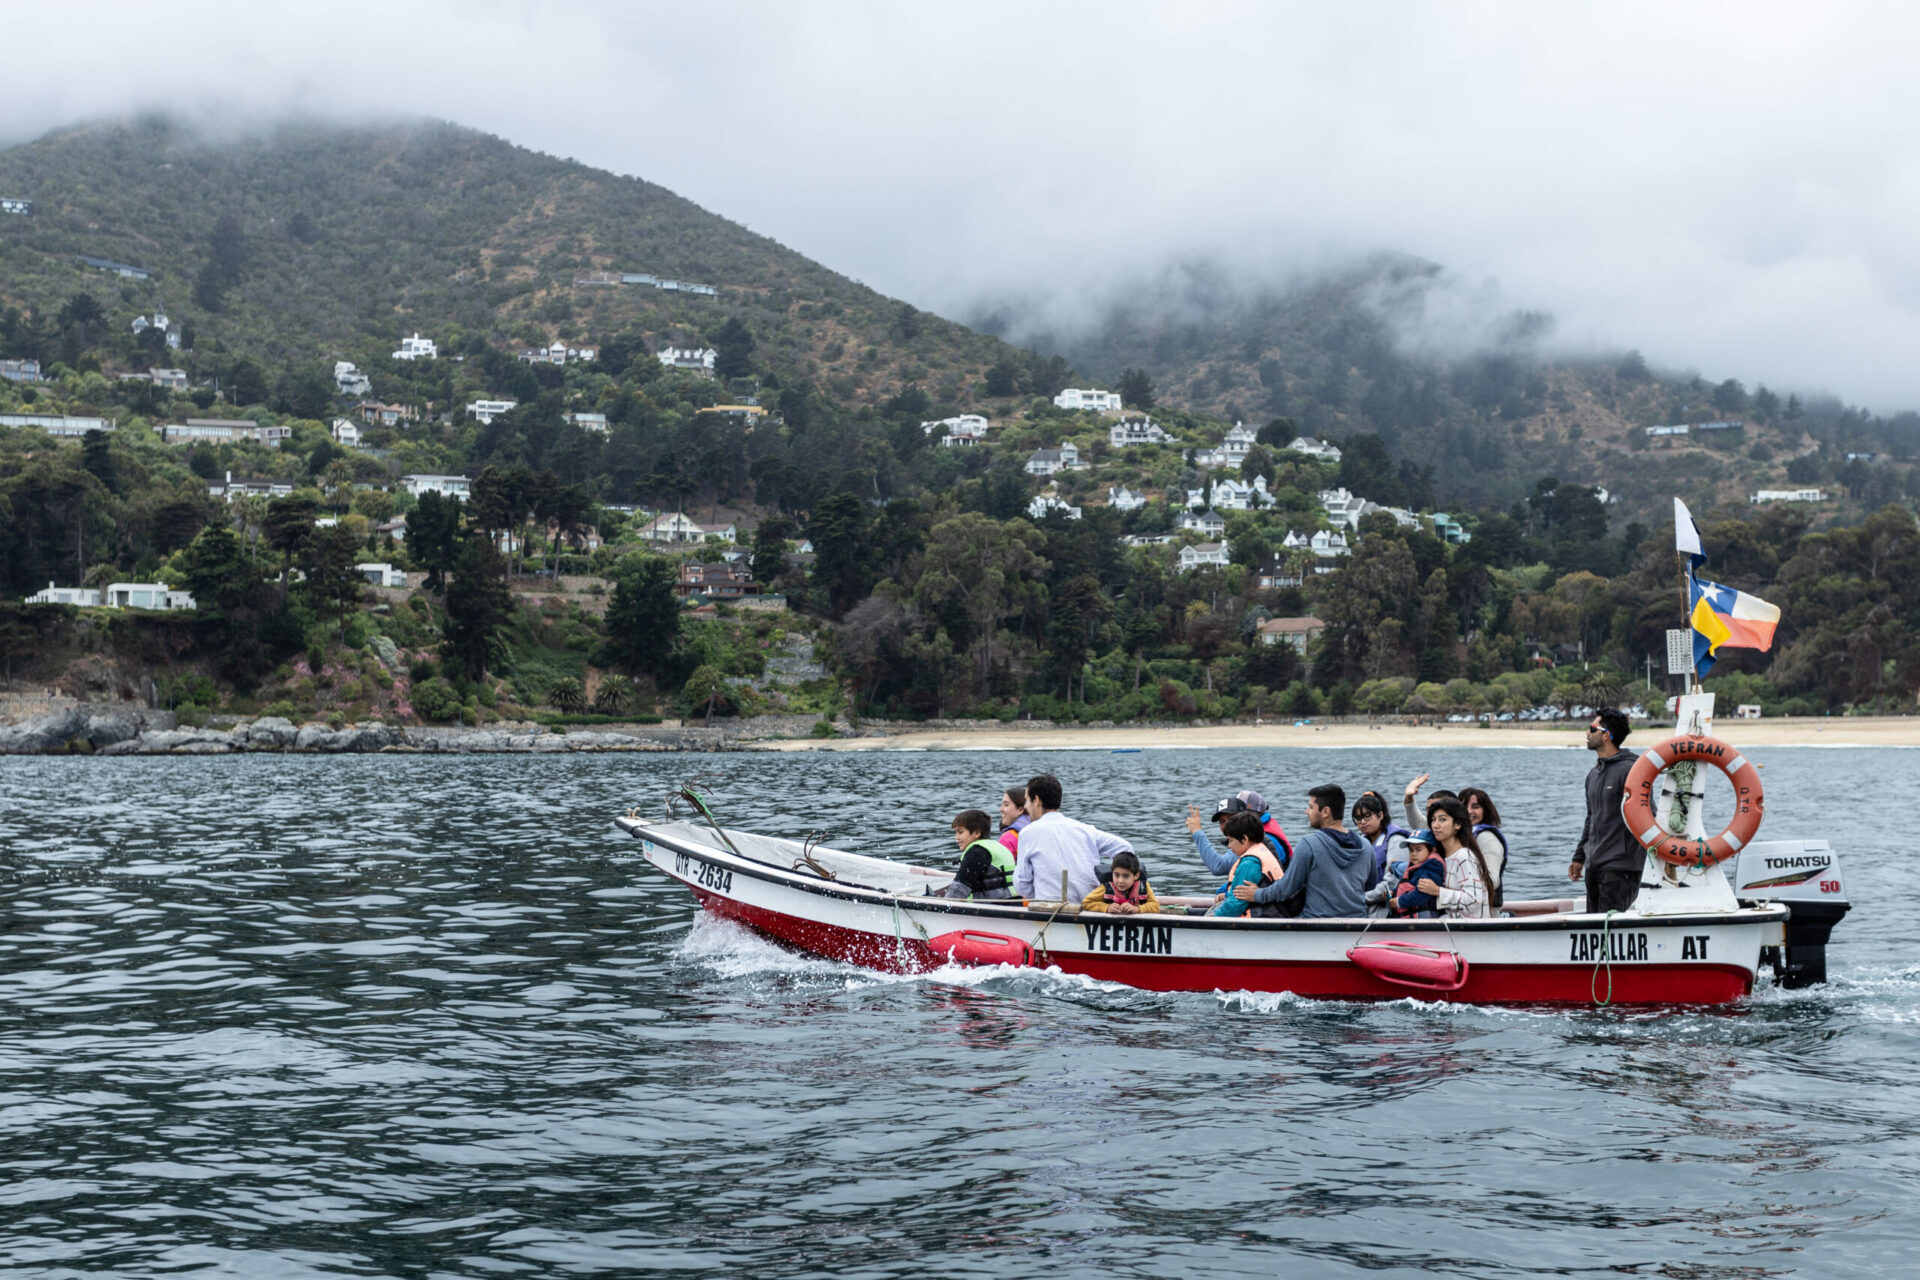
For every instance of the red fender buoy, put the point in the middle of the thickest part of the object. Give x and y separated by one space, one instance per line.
1408 964
1748 801
970 946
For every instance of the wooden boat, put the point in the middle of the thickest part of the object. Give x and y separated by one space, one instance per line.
1688 940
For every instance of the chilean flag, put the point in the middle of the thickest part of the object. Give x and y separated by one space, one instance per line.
1723 617
1720 615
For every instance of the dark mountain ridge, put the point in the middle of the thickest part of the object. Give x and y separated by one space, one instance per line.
339 240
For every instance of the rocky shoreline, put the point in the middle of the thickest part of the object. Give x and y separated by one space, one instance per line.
86 729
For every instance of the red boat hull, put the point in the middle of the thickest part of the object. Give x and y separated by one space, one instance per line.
1488 983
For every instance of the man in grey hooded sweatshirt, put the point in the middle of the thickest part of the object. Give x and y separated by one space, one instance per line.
1332 866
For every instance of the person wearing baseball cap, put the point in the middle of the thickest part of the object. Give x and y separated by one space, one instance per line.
1253 802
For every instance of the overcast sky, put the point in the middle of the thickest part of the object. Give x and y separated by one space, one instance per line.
1730 188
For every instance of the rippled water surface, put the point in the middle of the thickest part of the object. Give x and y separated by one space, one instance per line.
434 1017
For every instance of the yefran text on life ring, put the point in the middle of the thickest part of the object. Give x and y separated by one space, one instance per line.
1748 801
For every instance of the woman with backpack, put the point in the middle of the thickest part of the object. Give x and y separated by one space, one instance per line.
1488 836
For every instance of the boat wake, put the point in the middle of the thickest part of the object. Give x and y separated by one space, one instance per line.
731 951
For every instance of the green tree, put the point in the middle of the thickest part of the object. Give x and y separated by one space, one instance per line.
1076 609
733 345
433 536
96 457
1277 434
643 617
841 570
327 558
1136 389
770 549
289 523
309 392
226 263
478 606
979 571
246 384
705 686
216 573
435 699
1002 378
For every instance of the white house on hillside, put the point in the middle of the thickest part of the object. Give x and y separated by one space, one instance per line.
345 433
230 488
559 352
1046 462
1124 499
1788 495
350 380
1231 494
695 359
488 410
1230 452
1042 504
675 526
1343 508
1204 553
1078 398
964 424
451 486
966 429
1315 448
417 348
1208 523
382 575
589 421
1323 542
83 597
1136 431
144 595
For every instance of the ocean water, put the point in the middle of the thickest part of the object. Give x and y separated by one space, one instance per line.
279 1016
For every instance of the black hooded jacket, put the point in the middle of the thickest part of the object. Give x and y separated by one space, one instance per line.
1605 843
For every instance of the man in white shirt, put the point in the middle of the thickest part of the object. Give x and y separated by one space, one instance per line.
1053 843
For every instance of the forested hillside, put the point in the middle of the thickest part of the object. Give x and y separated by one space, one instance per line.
1340 354
306 244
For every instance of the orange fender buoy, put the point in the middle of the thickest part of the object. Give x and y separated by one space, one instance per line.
1748 801
972 946
1408 964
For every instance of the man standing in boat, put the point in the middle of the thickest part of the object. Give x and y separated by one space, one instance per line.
1054 843
1608 855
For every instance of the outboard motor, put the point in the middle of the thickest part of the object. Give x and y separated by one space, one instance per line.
1804 874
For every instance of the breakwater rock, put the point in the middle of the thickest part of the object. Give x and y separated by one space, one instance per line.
118 731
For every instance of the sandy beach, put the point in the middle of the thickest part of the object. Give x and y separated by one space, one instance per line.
1859 731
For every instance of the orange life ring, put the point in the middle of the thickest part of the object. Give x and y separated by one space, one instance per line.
1748 800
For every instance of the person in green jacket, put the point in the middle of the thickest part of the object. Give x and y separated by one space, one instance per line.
986 866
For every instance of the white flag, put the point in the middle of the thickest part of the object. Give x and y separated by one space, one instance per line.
1686 538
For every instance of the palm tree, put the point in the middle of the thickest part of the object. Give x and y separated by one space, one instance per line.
1601 688
615 695
567 695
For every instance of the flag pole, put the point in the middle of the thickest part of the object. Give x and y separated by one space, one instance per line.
1691 682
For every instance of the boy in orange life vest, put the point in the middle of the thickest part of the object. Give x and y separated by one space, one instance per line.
1128 893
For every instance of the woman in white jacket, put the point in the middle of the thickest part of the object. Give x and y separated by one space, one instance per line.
1465 894
1492 842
